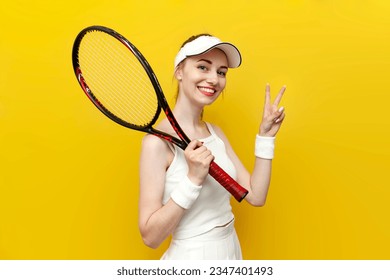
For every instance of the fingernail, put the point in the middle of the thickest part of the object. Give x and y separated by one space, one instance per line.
281 109
277 120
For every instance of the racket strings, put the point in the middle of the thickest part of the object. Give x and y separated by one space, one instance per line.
117 79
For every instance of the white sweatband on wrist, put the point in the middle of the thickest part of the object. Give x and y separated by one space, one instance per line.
186 193
264 147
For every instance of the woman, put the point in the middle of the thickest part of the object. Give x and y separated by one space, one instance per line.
177 196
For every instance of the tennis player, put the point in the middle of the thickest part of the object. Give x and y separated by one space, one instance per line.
177 197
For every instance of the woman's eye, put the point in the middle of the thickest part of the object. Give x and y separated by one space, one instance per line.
202 67
221 73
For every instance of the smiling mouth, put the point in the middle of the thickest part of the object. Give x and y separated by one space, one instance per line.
207 91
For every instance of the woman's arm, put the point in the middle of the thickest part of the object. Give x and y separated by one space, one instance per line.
156 221
258 182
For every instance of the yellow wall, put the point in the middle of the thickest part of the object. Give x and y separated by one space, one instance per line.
69 176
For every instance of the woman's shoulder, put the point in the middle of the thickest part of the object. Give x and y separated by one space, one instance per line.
150 139
155 144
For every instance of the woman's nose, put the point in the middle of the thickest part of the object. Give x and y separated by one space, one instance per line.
212 78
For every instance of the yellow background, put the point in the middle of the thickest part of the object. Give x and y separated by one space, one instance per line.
69 176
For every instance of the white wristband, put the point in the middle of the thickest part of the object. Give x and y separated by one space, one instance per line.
186 193
264 147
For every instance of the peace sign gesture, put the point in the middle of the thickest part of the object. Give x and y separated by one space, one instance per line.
272 115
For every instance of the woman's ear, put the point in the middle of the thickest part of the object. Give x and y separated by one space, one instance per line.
178 73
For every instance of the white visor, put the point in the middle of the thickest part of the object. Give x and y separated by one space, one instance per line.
204 44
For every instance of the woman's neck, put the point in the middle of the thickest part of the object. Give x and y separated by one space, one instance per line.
187 114
190 120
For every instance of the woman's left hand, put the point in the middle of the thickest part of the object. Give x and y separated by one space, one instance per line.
272 115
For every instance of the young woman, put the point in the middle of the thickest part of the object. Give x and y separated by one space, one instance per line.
177 196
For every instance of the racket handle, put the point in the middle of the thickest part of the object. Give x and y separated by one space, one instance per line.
227 182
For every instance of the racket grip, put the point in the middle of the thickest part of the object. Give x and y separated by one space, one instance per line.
227 182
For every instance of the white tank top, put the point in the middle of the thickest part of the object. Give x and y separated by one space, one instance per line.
212 208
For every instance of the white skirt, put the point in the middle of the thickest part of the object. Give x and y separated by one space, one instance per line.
220 243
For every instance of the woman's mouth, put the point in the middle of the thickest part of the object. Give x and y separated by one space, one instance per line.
207 91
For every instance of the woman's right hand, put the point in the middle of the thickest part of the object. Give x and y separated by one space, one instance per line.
198 158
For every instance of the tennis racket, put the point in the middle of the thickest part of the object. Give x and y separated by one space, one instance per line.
117 78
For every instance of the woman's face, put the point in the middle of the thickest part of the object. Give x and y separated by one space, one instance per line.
203 77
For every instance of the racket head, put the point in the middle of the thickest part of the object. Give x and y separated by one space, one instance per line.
116 78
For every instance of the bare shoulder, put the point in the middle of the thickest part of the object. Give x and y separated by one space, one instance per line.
154 144
157 148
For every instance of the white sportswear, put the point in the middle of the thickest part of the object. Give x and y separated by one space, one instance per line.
212 207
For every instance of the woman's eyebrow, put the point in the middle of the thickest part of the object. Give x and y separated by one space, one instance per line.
205 60
209 62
